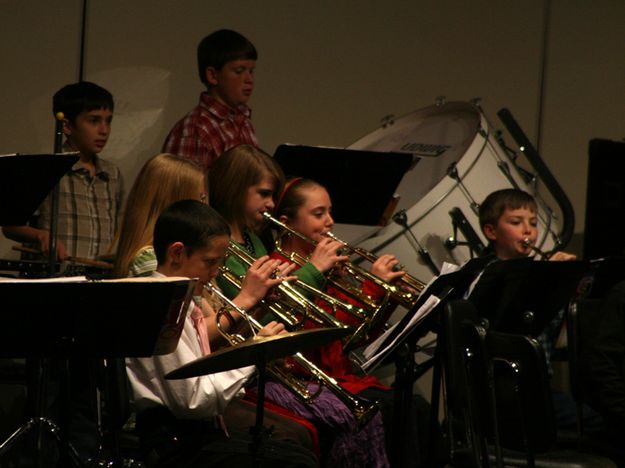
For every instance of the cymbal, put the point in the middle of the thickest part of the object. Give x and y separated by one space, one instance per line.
258 351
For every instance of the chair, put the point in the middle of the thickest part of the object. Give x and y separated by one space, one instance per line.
497 390
470 413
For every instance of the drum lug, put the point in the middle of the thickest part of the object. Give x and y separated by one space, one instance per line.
440 101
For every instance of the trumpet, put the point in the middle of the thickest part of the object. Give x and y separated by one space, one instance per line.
368 302
406 295
289 293
406 292
363 410
407 289
542 254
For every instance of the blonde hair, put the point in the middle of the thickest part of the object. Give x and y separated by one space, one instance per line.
163 180
234 173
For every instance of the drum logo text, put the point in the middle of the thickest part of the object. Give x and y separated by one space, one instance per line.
425 149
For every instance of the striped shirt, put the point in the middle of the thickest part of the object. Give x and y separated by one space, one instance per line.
144 262
209 130
89 209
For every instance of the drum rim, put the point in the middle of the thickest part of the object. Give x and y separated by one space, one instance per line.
448 106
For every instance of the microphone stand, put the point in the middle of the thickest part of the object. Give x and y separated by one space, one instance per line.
54 199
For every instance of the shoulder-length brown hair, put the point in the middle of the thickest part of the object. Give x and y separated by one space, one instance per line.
163 180
234 173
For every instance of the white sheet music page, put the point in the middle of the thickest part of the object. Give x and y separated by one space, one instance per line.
373 354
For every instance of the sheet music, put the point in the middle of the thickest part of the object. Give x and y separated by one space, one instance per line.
373 354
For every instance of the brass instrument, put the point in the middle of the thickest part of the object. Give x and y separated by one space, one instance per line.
543 255
288 293
283 311
361 313
362 410
407 289
406 293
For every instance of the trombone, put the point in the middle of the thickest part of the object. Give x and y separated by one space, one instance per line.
362 410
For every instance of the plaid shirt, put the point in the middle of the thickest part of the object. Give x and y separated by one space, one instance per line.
89 208
209 130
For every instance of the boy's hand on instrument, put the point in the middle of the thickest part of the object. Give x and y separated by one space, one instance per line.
326 254
562 257
271 329
384 268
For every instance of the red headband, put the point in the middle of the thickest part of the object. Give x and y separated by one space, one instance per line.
287 186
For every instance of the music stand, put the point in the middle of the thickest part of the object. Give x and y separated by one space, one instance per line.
523 295
26 180
362 183
604 274
400 346
258 352
69 317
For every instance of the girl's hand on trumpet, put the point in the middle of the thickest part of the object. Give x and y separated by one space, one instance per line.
385 267
326 254
261 276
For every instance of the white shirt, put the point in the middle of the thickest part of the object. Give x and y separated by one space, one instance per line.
195 398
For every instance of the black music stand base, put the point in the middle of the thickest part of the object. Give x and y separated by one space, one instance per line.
407 372
259 431
39 424
36 426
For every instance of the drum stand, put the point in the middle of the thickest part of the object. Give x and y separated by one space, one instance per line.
460 223
402 219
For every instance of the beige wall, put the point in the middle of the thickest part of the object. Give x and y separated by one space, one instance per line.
328 70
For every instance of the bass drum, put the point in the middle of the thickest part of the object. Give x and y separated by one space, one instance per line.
458 162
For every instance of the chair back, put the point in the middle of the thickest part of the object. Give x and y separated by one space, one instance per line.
583 318
525 415
470 414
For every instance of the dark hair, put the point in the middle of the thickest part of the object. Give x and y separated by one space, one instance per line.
234 173
497 202
292 197
221 47
188 221
83 96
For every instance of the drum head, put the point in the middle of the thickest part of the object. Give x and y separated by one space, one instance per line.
437 135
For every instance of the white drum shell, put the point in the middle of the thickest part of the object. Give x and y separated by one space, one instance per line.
460 133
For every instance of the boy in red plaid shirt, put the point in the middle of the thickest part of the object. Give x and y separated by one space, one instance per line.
221 120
